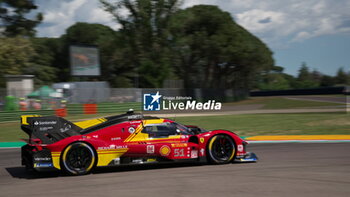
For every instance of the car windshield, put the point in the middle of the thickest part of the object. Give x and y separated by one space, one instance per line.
182 129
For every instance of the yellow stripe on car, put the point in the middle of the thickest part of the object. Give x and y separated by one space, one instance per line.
89 123
24 118
106 156
56 159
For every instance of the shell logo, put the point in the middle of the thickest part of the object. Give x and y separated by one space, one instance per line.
165 150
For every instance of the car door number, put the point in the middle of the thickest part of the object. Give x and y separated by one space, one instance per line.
179 152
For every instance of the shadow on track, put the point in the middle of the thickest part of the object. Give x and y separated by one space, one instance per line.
142 167
22 173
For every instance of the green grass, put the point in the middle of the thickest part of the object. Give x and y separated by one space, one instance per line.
282 103
11 131
244 125
275 124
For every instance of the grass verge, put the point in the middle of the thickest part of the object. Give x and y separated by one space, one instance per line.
276 124
282 103
244 125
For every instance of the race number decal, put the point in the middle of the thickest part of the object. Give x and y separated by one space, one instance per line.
179 153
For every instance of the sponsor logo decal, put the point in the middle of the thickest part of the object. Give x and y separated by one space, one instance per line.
240 148
112 147
165 150
133 117
39 165
45 128
42 159
202 151
150 149
135 122
179 145
201 140
194 154
45 122
131 129
66 127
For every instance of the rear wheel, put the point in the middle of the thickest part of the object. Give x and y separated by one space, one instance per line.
78 159
221 149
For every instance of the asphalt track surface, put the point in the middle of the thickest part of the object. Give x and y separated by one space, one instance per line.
287 169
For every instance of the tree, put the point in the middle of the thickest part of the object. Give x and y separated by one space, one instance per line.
42 61
327 81
146 37
305 78
275 81
13 17
304 73
215 52
341 77
15 57
316 76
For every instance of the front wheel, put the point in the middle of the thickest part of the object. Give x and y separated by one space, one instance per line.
221 149
78 159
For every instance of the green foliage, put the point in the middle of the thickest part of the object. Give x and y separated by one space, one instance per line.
158 41
27 56
42 61
327 81
275 81
341 78
305 78
13 16
213 51
15 57
145 37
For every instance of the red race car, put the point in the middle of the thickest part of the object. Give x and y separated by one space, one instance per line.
130 138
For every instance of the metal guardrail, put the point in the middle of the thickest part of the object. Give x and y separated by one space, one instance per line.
73 109
105 107
15 115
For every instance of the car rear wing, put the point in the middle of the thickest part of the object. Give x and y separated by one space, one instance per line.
48 129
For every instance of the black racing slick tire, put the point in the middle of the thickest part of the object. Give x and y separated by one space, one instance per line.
221 149
78 159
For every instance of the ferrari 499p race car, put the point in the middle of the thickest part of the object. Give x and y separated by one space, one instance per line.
130 138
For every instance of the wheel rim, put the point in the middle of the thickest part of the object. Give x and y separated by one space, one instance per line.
222 149
79 159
